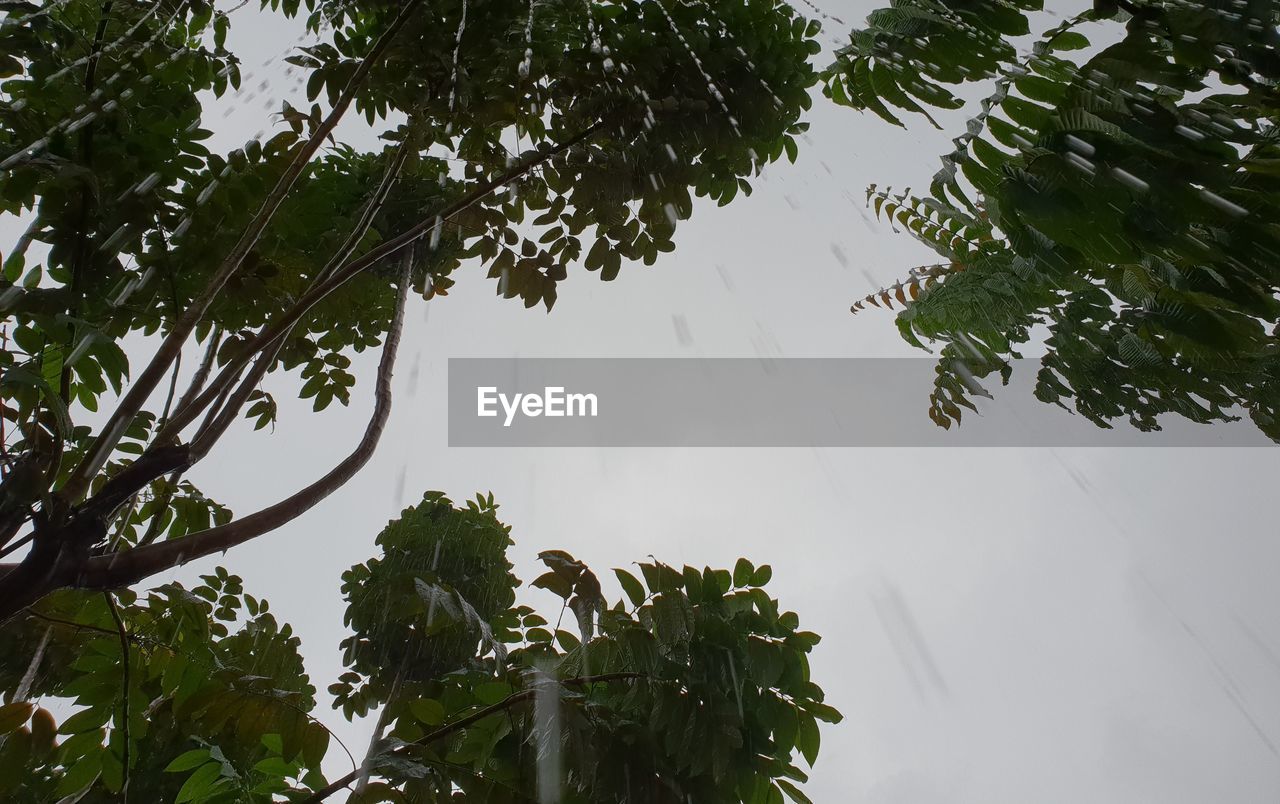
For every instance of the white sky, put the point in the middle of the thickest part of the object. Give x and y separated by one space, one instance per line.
1000 626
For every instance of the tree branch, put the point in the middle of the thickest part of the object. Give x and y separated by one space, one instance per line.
64 561
461 723
279 328
81 252
29 677
27 236
19 490
193 388
23 690
202 372
168 350
218 422
131 566
375 741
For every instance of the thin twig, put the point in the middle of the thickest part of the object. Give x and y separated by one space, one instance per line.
375 741
28 235
13 548
29 677
151 375
124 692
217 422
132 566
202 372
287 319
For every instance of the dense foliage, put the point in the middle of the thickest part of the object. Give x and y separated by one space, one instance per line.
693 687
1115 197
522 139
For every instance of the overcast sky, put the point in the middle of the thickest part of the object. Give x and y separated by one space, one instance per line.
1000 625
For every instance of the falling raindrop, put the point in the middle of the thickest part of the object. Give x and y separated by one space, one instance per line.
546 727
712 89
453 80
840 256
1223 204
526 63
1130 180
683 336
670 211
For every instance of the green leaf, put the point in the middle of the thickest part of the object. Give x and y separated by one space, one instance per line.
538 635
14 755
1069 40
793 792
87 720
188 761
823 712
492 692
808 739
199 783
742 572
13 267
82 773
567 641
554 583
631 586
315 743
20 376
428 711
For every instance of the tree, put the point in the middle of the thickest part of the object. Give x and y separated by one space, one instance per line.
695 686
1121 198
522 136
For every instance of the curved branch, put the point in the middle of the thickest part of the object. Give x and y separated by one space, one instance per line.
221 387
278 328
131 566
48 566
226 411
168 350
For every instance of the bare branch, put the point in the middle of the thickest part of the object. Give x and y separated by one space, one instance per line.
202 372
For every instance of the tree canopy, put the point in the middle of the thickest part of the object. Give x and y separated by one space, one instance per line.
523 138
694 685
1114 197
